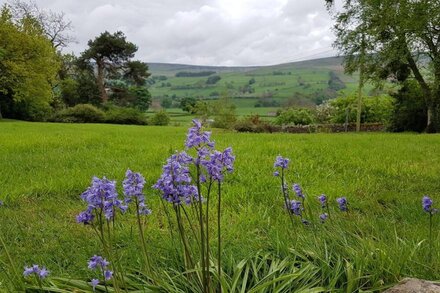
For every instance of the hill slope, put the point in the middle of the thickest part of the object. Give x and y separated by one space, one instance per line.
304 83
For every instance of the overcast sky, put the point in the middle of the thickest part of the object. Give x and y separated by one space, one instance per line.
206 32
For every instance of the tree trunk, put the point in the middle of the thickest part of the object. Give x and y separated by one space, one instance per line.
429 125
100 80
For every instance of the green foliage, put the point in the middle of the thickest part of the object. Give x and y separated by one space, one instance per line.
110 53
81 113
120 115
28 67
136 72
213 79
399 38
160 118
410 109
166 103
194 74
69 91
374 109
294 116
187 104
223 111
335 83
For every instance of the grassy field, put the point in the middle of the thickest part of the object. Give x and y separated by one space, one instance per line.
45 167
299 81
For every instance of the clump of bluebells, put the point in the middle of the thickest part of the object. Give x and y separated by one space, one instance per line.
40 273
103 203
427 203
99 263
293 207
190 178
343 203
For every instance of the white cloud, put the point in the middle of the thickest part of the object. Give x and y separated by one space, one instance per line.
207 32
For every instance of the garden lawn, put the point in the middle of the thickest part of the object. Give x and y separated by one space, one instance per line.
45 167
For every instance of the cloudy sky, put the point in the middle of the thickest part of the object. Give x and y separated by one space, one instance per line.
206 32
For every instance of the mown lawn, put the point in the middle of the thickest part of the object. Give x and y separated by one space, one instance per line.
45 167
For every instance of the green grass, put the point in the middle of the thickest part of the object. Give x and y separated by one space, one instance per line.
45 167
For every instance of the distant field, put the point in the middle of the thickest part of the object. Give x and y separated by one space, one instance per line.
303 83
45 167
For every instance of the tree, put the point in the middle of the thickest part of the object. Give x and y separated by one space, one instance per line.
55 26
401 41
187 104
110 53
28 67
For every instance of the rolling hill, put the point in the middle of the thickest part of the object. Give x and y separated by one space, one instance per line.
254 88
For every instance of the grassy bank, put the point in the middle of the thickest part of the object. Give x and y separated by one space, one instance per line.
45 167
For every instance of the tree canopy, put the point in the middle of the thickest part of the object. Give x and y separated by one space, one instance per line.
401 41
28 66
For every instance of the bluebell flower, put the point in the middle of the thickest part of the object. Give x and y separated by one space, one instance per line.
427 205
94 283
175 183
276 173
219 163
281 162
1 203
100 196
342 202
133 186
323 200
323 217
41 273
298 191
296 207
100 263
196 138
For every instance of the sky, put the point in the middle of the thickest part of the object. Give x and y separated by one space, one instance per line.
206 32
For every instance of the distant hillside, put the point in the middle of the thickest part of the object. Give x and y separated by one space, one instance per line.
303 83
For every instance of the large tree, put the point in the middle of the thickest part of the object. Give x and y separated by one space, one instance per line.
110 54
401 40
55 25
28 66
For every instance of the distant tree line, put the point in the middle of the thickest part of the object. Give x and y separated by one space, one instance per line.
194 74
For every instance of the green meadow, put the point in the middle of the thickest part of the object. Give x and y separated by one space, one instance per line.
299 82
46 166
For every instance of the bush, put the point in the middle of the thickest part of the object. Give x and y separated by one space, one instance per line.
160 118
253 123
294 116
119 115
81 113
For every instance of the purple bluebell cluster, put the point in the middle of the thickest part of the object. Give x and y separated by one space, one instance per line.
298 191
296 207
94 283
427 203
102 198
343 204
323 200
41 273
323 217
196 138
133 186
218 163
100 263
281 162
175 181
176 184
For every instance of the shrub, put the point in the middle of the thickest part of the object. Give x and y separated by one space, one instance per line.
160 118
119 115
81 113
294 116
